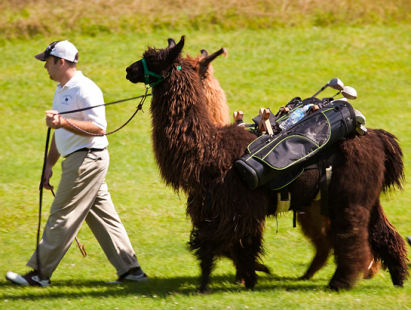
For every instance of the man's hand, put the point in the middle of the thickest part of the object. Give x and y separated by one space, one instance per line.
53 119
47 176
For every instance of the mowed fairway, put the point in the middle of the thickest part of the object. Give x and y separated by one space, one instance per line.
265 68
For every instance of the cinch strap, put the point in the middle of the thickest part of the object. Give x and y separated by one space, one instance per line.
323 183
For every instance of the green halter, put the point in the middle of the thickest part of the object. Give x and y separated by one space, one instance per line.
158 76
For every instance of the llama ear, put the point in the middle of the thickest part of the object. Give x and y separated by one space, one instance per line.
204 53
176 50
204 63
171 43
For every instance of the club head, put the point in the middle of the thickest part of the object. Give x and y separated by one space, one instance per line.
359 117
349 92
336 83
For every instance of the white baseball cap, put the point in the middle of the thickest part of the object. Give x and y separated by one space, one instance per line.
61 49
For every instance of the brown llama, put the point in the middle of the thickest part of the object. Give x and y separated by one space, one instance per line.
317 228
214 94
217 108
196 157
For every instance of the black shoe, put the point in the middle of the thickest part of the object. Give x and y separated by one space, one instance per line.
29 279
409 240
135 274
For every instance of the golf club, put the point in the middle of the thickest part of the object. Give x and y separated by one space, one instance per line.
349 92
335 83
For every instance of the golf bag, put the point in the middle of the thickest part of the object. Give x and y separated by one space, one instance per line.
282 155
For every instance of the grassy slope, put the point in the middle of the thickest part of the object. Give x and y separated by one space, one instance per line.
264 69
28 18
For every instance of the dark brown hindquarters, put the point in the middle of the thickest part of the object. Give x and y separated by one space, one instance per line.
357 228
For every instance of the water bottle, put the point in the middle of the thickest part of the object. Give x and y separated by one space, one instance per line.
295 117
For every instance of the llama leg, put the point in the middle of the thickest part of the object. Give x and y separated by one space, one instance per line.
231 254
205 251
238 278
323 250
316 226
375 261
372 269
388 246
246 252
261 267
349 229
257 267
207 264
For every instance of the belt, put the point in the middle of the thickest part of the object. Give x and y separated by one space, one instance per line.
84 149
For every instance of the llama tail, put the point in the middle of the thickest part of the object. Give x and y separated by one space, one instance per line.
394 166
388 246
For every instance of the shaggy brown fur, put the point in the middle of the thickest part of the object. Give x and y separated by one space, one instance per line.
316 227
215 96
197 157
385 244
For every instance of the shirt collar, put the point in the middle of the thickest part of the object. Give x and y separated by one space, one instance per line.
73 81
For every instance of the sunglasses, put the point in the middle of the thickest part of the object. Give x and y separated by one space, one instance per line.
49 49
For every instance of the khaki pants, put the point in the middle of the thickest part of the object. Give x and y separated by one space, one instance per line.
83 195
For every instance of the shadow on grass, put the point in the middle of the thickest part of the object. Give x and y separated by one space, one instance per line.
160 287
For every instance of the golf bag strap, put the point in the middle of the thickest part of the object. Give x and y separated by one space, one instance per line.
294 218
322 165
284 194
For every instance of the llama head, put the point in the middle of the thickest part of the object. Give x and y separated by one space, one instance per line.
206 59
158 61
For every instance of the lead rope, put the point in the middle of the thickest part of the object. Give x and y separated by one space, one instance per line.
139 107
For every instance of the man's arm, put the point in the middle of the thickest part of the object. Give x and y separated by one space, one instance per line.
56 121
52 159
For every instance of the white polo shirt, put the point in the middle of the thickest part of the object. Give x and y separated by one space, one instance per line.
79 92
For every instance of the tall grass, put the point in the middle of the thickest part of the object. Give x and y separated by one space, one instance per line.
28 18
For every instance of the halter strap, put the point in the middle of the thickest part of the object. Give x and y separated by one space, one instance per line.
158 76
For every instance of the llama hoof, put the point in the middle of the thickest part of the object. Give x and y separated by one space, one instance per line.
335 289
369 274
398 283
338 285
250 286
239 279
206 291
262 268
304 278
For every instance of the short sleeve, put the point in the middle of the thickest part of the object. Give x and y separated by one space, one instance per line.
97 115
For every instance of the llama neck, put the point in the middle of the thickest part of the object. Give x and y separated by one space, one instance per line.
183 135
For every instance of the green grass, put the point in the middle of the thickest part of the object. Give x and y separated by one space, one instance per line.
29 18
265 68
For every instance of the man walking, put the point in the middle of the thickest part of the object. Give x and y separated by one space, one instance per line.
82 194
